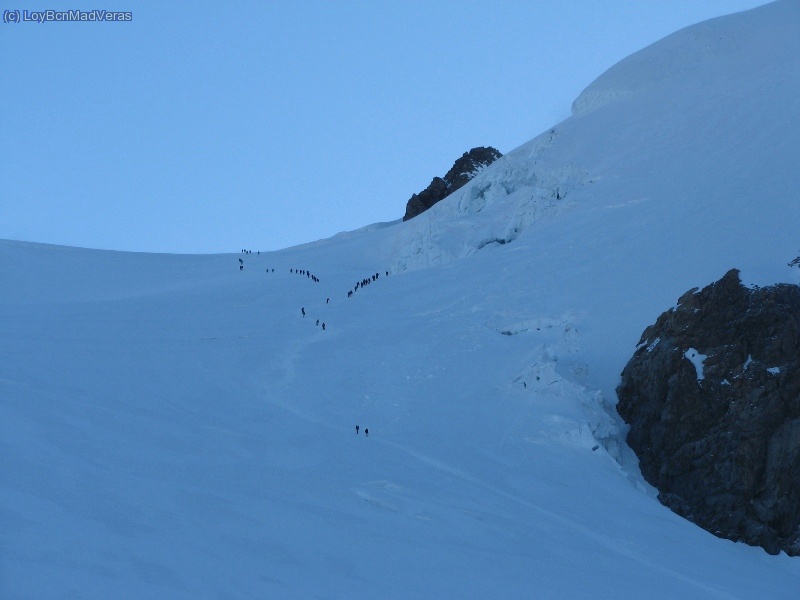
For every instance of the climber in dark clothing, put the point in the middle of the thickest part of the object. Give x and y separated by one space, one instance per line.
366 432
303 310
356 429
323 327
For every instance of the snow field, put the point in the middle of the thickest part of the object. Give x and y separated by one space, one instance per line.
172 427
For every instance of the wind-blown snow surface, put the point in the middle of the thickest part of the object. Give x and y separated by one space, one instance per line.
172 427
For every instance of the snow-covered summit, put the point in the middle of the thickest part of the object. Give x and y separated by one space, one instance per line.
744 46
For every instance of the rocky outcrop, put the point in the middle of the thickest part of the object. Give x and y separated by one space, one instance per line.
712 396
464 169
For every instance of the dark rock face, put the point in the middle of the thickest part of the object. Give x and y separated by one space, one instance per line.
464 169
712 396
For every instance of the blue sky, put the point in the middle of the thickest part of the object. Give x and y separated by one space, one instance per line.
212 126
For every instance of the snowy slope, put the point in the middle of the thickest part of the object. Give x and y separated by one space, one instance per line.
678 164
172 427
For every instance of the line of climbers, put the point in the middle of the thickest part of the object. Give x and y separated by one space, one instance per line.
364 282
313 278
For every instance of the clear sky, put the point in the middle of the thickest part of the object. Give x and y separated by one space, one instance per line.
216 126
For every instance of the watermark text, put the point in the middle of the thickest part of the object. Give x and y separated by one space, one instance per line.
65 16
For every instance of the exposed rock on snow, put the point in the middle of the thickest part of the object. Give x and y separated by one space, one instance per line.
464 169
722 442
493 209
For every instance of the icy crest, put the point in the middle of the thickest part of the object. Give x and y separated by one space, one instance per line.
501 202
695 50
